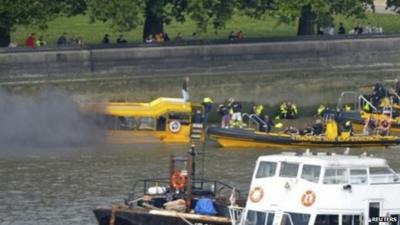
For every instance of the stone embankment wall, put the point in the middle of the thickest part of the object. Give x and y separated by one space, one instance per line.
307 72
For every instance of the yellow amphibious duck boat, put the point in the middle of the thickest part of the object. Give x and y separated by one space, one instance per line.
164 120
248 138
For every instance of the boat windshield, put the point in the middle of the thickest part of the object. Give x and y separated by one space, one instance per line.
311 173
358 176
289 169
259 218
377 175
382 175
266 169
335 176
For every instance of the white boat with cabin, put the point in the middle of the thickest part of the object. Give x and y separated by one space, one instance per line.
321 189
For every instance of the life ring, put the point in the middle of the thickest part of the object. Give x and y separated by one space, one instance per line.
384 125
178 181
308 198
256 194
174 126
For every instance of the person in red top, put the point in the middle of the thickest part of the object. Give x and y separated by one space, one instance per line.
30 41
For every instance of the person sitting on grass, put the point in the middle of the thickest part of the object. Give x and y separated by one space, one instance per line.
232 36
121 39
149 39
239 35
41 42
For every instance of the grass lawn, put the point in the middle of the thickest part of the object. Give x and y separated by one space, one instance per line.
268 27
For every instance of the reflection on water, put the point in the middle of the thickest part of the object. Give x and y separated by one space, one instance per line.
62 186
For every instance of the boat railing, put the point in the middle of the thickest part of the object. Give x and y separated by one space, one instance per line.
363 101
348 95
254 121
238 214
214 187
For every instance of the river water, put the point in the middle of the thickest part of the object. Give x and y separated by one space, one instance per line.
62 185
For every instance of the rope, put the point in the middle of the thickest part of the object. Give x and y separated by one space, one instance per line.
113 212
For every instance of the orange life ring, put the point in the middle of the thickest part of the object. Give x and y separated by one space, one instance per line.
256 194
308 198
178 181
384 125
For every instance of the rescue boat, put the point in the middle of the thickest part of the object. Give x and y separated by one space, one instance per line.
164 120
320 189
182 198
252 137
249 138
386 118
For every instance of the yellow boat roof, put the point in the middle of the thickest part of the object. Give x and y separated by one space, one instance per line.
155 108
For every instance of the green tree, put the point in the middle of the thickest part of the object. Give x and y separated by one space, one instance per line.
33 12
126 15
310 14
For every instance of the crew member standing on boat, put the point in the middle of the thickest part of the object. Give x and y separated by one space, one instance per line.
185 89
258 110
288 110
207 104
370 126
322 109
236 113
268 124
224 114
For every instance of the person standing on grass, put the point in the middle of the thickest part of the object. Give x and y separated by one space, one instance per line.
185 89
341 30
106 39
62 40
30 41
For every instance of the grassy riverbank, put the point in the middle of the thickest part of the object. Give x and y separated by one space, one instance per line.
268 27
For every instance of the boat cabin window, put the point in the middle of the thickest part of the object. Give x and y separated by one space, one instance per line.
358 176
311 173
335 176
327 220
259 218
161 123
266 169
351 220
295 219
289 169
146 123
382 175
183 118
129 123
125 123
